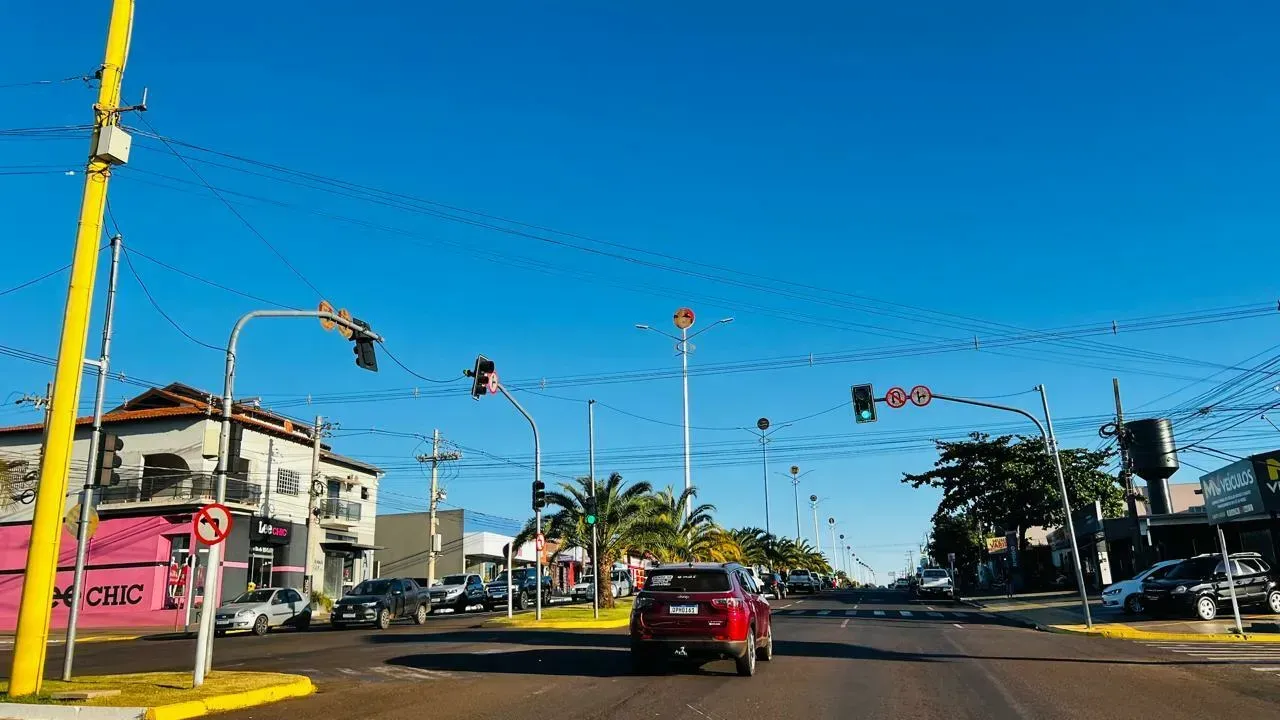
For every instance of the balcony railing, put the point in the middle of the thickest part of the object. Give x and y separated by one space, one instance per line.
193 487
336 509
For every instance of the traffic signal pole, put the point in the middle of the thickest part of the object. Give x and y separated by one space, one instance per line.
537 478
95 441
36 604
591 472
213 571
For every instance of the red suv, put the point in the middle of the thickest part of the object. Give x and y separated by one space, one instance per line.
701 611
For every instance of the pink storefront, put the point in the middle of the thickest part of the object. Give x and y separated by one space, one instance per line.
135 574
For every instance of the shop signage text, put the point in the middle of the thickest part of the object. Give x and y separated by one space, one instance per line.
271 532
1242 489
103 595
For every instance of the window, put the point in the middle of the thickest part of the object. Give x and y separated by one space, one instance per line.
935 573
747 582
687 581
291 595
287 481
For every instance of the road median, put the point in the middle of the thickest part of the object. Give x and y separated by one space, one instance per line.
153 696
1121 631
577 617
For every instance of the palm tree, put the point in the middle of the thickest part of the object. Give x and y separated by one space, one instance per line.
752 545
626 516
687 538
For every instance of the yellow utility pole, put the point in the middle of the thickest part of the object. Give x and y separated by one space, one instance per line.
46 525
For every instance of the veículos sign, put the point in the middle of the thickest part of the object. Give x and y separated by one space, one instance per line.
1245 488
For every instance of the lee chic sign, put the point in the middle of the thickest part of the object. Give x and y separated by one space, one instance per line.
1244 489
271 531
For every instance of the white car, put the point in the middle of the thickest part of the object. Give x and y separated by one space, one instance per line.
623 585
1127 594
261 609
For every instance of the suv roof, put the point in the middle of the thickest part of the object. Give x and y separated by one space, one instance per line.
698 565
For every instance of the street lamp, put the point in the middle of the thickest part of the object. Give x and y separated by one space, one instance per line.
683 320
813 503
766 431
794 477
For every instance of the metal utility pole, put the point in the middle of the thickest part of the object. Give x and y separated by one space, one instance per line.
36 603
95 439
835 549
762 425
213 572
1126 480
435 458
591 475
314 489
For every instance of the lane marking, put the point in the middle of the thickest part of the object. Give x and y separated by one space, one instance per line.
1266 669
828 612
845 624
907 613
934 614
879 613
851 613
958 625
987 615
784 607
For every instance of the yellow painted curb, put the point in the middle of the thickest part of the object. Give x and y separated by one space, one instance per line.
301 686
561 624
1124 632
107 638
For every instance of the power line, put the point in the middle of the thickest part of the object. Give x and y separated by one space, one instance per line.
35 280
160 310
404 367
33 83
210 283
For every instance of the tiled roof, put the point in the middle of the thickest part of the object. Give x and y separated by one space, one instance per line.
116 416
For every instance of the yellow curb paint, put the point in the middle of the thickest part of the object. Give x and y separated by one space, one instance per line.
301 687
563 624
1124 632
107 638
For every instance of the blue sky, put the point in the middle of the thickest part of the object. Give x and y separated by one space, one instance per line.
1034 167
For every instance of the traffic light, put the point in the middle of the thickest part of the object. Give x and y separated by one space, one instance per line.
864 403
589 510
366 358
539 495
108 460
480 376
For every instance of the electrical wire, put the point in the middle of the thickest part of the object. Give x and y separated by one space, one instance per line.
217 193
210 283
406 368
33 83
163 314
35 280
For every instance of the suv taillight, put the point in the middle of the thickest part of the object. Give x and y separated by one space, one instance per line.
642 603
728 603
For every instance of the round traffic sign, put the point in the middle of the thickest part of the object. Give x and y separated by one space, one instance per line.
345 331
683 318
72 522
895 398
492 385
920 395
326 323
540 542
795 469
763 423
212 523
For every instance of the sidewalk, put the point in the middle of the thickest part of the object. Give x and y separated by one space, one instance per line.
1061 612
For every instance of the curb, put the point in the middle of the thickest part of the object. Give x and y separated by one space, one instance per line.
563 625
1124 632
301 686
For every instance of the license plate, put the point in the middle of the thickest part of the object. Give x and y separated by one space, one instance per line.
683 609
347 615
222 622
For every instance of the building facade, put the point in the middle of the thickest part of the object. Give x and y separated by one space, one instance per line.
145 567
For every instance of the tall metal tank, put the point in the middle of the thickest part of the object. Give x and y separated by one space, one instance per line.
1154 458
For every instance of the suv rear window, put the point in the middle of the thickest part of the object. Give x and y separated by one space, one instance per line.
935 573
687 581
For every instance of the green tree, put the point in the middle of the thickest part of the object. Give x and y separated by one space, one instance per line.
1010 482
687 537
958 534
626 518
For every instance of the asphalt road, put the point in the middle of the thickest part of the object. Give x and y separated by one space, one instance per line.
838 655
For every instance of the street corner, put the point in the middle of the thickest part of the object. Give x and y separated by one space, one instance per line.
158 696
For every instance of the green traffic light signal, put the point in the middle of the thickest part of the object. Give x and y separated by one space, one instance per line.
591 519
864 403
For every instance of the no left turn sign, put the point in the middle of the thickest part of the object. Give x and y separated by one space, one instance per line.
212 523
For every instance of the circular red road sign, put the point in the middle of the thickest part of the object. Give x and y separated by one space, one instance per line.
492 385
540 542
920 395
212 523
683 318
895 398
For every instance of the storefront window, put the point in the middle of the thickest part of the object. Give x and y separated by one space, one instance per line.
179 573
261 562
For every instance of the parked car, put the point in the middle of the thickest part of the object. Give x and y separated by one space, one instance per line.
1199 587
801 581
381 601
1127 594
458 592
261 609
935 583
901 584
621 581
701 611
524 583
773 584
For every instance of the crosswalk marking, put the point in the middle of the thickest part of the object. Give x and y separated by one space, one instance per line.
851 613
1242 654
904 613
879 612
824 612
934 614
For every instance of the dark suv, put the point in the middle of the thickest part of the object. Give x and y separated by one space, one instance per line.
1199 587
701 611
379 602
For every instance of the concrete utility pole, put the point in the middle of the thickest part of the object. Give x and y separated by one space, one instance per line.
314 489
435 458
108 143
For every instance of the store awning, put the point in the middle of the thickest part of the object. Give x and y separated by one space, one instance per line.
350 548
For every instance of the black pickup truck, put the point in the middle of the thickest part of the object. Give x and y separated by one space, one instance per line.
524 587
380 601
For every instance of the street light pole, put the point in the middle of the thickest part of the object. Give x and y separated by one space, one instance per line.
591 473
213 581
817 539
684 320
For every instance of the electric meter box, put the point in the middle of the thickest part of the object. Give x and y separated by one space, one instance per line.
113 145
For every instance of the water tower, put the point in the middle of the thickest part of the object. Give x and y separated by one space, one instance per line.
1154 458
